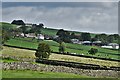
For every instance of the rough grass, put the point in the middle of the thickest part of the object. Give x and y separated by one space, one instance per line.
36 74
83 60
7 51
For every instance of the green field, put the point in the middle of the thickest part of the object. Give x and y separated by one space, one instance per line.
51 75
7 25
52 32
23 53
36 74
72 48
8 51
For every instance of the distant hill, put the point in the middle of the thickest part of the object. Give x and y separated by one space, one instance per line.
52 32
46 31
7 25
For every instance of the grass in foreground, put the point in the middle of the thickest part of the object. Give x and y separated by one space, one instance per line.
36 74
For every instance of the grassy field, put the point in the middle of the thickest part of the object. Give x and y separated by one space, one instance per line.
48 31
52 32
36 74
49 75
7 25
83 60
7 51
72 48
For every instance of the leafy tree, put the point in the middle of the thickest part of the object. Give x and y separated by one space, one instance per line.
24 29
93 39
102 37
61 47
64 35
16 31
85 36
5 36
116 36
93 51
110 38
73 36
38 28
43 51
61 33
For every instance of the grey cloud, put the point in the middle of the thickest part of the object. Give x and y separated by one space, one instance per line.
59 0
93 19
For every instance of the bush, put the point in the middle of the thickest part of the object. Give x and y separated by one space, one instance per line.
93 51
43 51
62 47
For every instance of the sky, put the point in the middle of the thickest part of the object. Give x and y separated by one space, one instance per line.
95 17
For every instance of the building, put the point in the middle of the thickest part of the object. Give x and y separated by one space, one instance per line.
30 35
111 46
18 22
75 41
40 36
114 45
97 43
87 43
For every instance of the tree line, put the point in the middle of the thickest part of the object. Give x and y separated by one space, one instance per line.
66 36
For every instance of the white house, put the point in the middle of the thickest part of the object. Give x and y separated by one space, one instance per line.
86 43
97 42
31 35
76 41
112 46
40 36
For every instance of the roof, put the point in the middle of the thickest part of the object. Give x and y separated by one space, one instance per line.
86 42
97 42
113 44
18 22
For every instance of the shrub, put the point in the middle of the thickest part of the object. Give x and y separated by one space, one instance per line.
93 51
43 51
62 47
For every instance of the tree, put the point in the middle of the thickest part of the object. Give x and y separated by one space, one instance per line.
102 37
110 38
38 28
64 35
24 29
43 51
73 35
5 35
16 31
61 47
116 36
61 33
85 36
93 51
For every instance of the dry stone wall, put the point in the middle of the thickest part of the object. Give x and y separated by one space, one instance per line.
51 68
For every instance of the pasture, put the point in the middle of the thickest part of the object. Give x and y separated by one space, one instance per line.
72 48
36 74
7 51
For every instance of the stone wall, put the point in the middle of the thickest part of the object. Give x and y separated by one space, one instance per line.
51 68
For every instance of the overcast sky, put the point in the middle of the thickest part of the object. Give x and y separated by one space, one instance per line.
97 17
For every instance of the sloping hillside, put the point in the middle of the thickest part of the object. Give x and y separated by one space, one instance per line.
7 25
